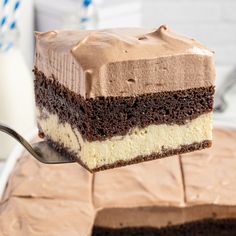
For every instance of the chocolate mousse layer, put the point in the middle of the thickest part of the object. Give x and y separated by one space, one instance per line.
124 62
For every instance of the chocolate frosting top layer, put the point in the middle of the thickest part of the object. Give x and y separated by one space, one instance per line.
123 62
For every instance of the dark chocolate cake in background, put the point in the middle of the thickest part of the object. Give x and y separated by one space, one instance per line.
115 97
190 195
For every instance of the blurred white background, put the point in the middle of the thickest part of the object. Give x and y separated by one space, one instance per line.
212 22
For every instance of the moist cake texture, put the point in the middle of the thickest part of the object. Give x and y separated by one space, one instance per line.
148 93
194 195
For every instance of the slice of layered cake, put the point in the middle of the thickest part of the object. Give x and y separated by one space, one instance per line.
115 97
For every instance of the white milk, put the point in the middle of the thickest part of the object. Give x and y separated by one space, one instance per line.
17 108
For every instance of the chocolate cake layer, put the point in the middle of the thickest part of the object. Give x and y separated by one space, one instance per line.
104 117
165 152
209 227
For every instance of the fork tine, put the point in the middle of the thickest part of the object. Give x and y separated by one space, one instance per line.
48 155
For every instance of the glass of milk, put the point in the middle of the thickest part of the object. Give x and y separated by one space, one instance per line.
17 108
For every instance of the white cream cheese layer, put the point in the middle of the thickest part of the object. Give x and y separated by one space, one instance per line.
138 142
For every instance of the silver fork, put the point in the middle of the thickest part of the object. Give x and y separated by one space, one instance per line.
41 150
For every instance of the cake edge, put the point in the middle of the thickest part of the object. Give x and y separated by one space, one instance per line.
165 153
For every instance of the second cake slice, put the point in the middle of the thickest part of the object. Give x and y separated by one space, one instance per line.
115 97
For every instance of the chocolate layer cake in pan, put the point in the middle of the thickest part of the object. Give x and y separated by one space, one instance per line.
114 97
194 195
